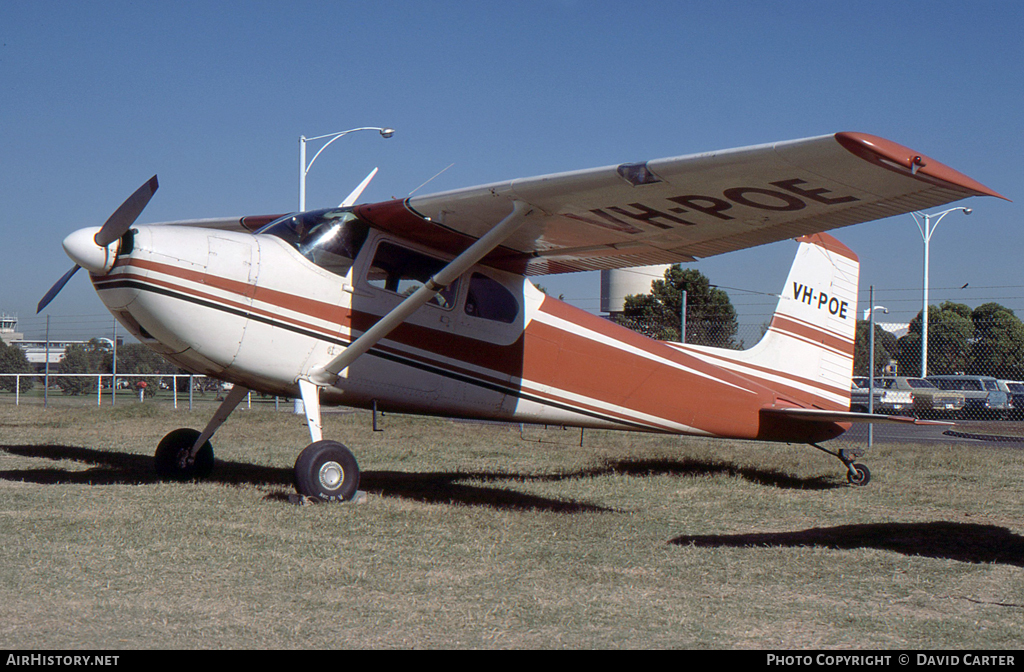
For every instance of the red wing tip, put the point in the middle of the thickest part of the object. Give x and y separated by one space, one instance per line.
892 155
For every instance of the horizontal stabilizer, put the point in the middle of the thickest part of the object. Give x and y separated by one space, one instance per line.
818 415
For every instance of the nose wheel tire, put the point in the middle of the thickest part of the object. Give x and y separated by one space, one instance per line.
173 459
327 470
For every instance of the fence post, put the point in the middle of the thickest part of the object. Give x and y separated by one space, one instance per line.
17 389
46 379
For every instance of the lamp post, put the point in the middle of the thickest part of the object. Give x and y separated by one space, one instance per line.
304 167
299 407
871 359
926 224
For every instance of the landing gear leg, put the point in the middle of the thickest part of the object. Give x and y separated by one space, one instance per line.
186 454
856 473
325 470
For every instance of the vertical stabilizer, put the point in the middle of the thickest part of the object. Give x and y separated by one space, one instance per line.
807 352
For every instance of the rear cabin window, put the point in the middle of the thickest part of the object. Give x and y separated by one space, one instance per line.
488 299
403 271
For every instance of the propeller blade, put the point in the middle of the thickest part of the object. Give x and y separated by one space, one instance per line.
125 216
357 192
59 285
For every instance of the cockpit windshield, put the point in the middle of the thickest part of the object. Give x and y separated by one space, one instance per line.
331 239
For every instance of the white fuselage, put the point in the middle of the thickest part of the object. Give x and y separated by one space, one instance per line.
252 310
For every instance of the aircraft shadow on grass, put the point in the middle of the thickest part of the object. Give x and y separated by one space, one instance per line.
965 542
110 468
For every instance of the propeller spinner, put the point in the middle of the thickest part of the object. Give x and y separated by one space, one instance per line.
94 248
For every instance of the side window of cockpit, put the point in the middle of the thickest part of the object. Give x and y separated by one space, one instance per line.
488 299
403 271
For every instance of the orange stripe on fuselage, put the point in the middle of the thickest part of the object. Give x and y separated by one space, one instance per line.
708 398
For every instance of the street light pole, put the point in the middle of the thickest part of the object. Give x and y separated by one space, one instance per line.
298 408
304 167
926 226
871 359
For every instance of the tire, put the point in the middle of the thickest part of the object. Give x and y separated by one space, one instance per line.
171 451
328 471
863 476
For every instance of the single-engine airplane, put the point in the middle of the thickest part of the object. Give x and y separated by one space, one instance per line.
424 305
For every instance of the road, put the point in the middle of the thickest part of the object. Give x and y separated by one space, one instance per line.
900 433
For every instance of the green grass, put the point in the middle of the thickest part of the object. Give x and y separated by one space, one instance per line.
473 537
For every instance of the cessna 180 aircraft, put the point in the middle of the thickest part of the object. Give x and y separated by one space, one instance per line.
424 305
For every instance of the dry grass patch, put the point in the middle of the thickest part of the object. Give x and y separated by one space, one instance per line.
473 537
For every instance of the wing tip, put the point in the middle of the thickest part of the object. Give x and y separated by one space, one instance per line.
894 156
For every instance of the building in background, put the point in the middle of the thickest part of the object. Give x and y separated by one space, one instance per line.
9 329
619 283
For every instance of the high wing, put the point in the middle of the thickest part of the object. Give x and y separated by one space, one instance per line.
684 208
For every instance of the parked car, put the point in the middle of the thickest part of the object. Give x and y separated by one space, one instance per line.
1015 390
886 400
929 400
982 396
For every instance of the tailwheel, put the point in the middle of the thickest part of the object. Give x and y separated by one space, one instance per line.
174 460
858 474
327 470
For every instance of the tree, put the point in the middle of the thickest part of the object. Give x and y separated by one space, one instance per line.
92 357
950 332
886 348
13 360
710 316
998 345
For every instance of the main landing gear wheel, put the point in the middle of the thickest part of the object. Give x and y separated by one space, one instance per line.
327 470
173 460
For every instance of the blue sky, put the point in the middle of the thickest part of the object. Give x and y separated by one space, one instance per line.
95 97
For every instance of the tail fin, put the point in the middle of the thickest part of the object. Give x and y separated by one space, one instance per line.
807 352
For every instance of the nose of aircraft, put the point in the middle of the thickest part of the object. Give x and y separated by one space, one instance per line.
82 248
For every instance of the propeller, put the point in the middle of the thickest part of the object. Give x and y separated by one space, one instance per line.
94 253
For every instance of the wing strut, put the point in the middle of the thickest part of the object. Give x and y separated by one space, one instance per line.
328 374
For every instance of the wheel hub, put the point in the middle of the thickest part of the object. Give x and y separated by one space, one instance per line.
331 475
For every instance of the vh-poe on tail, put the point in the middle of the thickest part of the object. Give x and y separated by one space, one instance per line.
424 305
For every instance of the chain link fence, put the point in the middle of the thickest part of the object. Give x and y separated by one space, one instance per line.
975 373
975 367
